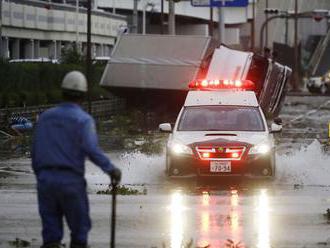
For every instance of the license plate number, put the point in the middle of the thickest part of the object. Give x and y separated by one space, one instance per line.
220 166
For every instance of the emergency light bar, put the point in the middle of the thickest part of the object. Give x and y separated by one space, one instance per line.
222 84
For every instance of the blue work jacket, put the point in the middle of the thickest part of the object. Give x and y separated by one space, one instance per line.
64 137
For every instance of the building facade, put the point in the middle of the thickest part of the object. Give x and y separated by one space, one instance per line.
42 29
238 20
190 20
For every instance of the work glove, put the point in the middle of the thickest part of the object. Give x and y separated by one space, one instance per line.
115 176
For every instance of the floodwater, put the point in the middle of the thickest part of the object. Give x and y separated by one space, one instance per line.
289 211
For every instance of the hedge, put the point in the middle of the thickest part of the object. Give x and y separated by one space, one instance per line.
27 84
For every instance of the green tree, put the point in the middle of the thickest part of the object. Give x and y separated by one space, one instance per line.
71 55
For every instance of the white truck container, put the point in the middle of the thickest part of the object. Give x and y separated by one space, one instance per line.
158 68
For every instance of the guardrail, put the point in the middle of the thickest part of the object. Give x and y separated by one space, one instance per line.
100 110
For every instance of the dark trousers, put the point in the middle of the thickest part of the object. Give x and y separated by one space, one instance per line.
59 197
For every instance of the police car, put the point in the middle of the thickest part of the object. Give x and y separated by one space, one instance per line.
221 131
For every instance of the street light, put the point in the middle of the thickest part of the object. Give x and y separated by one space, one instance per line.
317 15
262 29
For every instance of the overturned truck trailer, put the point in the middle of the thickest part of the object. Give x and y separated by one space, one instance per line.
155 70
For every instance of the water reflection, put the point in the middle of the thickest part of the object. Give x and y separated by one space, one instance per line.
262 220
204 226
219 217
216 219
235 215
176 209
205 198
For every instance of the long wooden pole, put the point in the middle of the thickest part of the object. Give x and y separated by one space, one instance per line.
89 54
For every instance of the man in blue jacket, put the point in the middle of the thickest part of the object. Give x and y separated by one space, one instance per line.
64 137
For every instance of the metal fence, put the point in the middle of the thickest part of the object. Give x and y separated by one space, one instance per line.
100 110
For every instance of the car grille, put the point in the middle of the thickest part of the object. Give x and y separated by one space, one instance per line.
220 152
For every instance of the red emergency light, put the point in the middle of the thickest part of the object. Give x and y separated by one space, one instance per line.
222 84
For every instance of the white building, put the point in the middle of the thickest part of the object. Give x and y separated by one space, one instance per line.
41 28
35 29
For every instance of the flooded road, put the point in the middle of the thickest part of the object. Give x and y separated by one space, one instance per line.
289 211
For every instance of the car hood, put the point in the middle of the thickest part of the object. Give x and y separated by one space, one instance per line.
216 137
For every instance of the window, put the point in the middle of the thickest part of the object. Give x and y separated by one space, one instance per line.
221 118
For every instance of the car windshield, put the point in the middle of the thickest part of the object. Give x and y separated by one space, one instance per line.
221 118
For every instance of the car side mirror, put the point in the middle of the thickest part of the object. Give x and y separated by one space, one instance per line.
165 127
275 128
278 121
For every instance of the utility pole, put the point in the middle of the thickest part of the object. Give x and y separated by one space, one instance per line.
253 25
162 17
211 26
77 26
221 25
135 17
171 17
1 48
144 9
89 54
267 6
287 31
295 85
113 6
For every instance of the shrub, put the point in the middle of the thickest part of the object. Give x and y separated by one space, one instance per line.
32 84
13 99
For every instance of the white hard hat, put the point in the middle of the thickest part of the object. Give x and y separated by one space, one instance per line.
75 81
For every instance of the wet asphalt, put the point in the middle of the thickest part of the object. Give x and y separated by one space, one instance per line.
289 211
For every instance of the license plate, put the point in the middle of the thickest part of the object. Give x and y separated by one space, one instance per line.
220 166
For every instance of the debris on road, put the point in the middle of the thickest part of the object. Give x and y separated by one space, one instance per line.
122 190
19 243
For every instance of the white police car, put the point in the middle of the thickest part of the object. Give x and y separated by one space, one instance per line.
221 133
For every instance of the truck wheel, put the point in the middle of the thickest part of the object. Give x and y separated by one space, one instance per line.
324 89
312 89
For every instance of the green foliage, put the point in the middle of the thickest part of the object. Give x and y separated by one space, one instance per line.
54 96
13 99
27 84
71 55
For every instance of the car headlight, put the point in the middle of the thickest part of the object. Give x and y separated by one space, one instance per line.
179 148
327 77
260 149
